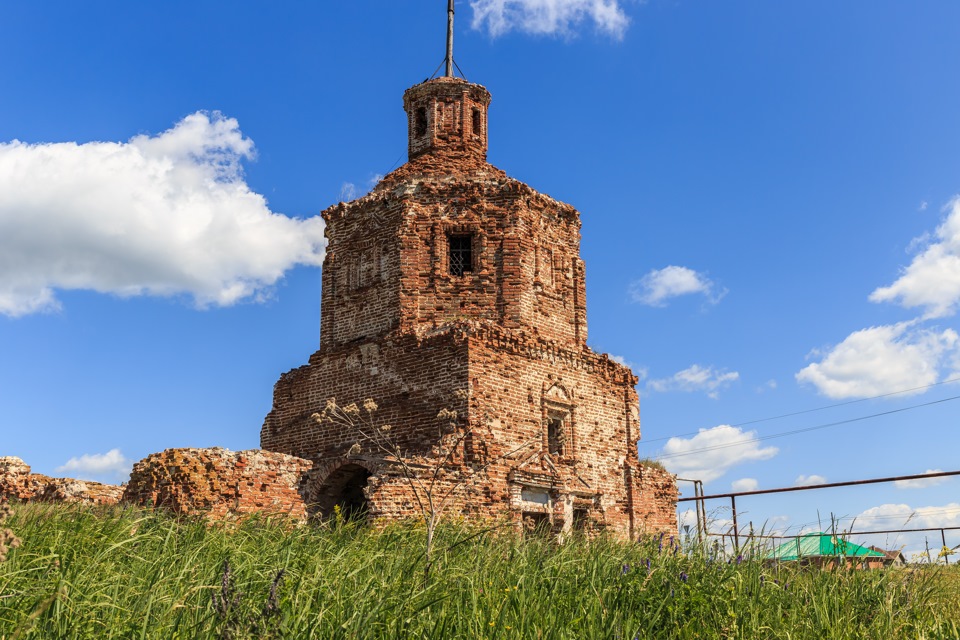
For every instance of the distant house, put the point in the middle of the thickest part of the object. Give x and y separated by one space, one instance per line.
894 557
825 549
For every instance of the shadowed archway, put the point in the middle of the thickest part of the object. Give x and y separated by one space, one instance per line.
343 488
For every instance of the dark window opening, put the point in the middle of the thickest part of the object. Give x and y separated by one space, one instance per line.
555 436
580 519
476 121
536 524
461 254
421 121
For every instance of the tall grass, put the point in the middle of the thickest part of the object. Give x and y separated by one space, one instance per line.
129 573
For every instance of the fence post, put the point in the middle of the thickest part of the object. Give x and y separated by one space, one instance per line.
736 534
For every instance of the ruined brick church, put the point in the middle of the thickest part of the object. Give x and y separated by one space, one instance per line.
454 297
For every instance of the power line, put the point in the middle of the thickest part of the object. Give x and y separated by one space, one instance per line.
797 413
803 430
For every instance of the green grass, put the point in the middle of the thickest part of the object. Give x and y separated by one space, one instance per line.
129 573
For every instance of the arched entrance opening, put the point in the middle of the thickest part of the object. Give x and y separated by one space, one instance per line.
343 489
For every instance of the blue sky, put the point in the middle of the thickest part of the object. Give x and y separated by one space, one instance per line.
767 193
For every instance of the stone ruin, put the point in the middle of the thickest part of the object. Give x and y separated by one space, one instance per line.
19 484
455 298
454 291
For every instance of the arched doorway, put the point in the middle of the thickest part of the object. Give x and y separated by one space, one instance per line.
343 488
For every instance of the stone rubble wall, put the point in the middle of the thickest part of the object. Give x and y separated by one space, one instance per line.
220 483
18 484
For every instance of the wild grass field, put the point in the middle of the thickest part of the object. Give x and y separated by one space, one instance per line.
131 573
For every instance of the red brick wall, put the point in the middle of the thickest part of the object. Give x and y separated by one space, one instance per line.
218 483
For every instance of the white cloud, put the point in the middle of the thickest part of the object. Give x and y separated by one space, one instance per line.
809 481
769 385
903 516
659 285
745 484
348 192
921 483
164 215
696 378
718 521
895 516
548 17
712 452
98 465
932 280
881 360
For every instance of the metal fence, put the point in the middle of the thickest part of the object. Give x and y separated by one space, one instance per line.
737 534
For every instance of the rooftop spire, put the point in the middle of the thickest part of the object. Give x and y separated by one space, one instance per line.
449 58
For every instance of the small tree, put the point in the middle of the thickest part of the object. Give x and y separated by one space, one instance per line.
427 476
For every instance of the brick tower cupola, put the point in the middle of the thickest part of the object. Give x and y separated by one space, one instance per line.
447 116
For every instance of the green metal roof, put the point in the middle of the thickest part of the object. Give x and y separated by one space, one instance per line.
820 545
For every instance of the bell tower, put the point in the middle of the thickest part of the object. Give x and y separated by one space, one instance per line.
447 116
453 289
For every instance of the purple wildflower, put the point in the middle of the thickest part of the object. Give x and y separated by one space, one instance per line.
624 569
683 576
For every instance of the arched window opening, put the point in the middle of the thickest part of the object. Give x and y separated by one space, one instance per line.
343 493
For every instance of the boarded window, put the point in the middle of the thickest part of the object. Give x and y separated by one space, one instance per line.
476 121
461 254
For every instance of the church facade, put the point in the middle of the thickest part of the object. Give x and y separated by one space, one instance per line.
454 298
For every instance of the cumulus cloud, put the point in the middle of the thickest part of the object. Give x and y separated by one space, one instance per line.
548 17
932 280
809 481
745 484
712 452
111 464
696 378
892 516
169 214
921 483
659 285
903 516
881 360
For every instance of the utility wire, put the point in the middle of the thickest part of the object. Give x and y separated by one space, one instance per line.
804 430
798 413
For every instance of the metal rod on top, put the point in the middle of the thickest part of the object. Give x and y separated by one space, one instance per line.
449 58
